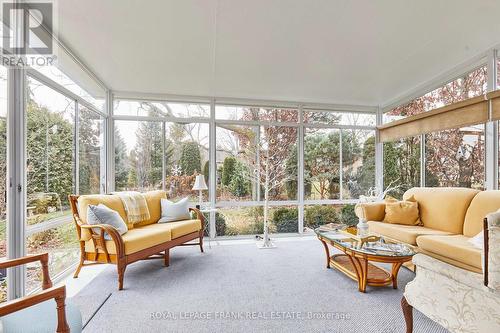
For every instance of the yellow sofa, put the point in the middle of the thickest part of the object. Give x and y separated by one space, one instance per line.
456 284
144 240
449 218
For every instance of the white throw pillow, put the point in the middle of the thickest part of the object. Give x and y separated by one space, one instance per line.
101 214
174 211
478 240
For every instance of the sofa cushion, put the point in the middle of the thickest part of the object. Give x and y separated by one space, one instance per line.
402 212
111 201
101 214
178 228
455 247
137 239
370 211
174 211
442 208
483 203
403 233
153 199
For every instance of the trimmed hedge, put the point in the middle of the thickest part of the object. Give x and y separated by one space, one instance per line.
347 215
220 224
286 219
316 216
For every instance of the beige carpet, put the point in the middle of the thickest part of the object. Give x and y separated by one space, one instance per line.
238 288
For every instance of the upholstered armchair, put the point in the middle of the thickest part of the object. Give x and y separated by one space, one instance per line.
45 311
459 300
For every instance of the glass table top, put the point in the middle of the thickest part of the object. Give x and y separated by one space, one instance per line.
382 247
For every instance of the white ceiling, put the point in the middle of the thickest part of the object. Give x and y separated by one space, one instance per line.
325 51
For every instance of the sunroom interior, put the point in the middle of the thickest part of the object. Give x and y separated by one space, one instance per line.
344 99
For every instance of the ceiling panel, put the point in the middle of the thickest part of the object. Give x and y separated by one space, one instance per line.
332 51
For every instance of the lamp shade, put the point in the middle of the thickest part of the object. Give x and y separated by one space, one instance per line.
200 184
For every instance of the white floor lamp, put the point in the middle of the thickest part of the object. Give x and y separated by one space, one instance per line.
200 185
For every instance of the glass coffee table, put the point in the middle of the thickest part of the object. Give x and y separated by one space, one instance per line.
354 261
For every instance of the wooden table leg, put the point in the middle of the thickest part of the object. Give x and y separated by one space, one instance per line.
327 251
394 275
363 274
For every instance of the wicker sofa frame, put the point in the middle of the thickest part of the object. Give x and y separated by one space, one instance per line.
120 259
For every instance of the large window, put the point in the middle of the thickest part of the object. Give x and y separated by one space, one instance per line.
237 162
402 165
161 144
50 150
160 154
358 162
452 157
250 142
455 158
92 153
50 166
186 155
92 93
321 164
3 179
124 107
138 155
469 85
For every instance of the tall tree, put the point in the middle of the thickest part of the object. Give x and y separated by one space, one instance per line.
90 152
122 166
190 161
49 152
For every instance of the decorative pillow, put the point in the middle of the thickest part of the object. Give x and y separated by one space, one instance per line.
402 212
174 211
478 240
101 214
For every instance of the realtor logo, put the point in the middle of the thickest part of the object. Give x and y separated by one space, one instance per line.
27 34
27 28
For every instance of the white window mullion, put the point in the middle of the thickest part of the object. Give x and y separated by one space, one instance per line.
379 155
422 160
16 179
491 130
164 156
341 168
300 171
76 147
110 144
212 181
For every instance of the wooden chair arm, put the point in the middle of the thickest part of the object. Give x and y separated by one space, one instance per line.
57 293
199 214
101 241
42 257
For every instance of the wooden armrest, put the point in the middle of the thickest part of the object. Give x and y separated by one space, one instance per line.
101 241
199 215
42 257
57 293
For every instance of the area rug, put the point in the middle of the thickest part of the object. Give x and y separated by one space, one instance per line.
239 288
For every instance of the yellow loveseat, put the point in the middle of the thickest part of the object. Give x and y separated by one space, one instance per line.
144 240
449 218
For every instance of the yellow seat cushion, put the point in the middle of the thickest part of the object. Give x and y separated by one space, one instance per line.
137 239
455 247
402 212
403 233
178 228
484 202
442 208
153 200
